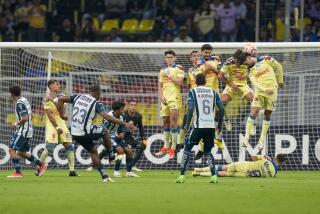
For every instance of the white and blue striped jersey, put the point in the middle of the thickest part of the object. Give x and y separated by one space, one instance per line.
112 127
23 108
201 106
84 110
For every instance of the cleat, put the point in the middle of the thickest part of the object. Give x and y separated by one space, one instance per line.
199 155
117 174
171 153
132 174
135 169
106 179
42 169
162 152
73 174
228 125
253 130
89 169
180 179
15 175
214 179
195 174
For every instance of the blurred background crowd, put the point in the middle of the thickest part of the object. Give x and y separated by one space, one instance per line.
154 20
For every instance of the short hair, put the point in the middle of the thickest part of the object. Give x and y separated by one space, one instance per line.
132 100
194 51
170 52
281 158
50 82
118 104
200 79
15 90
94 88
240 56
206 47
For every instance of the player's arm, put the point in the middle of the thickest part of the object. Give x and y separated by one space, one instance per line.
23 113
223 76
220 105
141 128
180 77
62 100
278 69
191 102
208 68
160 85
255 83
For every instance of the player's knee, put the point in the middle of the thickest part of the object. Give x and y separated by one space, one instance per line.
267 117
70 147
50 148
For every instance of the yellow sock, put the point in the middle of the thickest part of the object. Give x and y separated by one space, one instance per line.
44 155
174 138
249 126
201 146
264 131
166 136
70 156
181 136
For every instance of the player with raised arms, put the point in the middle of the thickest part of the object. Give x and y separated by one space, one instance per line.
19 144
84 110
201 107
262 74
260 166
170 81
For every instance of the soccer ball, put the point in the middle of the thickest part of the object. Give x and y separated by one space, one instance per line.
251 49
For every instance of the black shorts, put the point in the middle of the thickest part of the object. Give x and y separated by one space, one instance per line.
205 134
87 141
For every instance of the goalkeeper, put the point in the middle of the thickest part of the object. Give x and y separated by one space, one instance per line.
260 166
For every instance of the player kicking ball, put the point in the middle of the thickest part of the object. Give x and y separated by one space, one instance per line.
260 166
201 106
19 144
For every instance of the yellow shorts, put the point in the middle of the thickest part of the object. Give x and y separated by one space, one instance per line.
267 103
244 90
171 105
238 167
52 136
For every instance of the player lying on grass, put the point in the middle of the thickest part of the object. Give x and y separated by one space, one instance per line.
19 145
260 166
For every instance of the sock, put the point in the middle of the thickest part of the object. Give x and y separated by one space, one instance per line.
136 156
129 165
32 159
201 146
264 130
70 156
181 136
166 135
102 171
184 162
44 155
249 125
174 138
16 165
212 166
117 165
218 167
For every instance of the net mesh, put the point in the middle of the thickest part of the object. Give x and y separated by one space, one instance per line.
132 73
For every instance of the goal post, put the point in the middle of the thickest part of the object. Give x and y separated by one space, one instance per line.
130 71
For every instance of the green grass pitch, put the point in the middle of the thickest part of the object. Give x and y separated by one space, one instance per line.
156 192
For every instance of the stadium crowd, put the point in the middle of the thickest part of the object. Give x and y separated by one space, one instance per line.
172 21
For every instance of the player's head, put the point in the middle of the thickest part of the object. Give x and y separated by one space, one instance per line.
170 57
15 91
251 49
206 50
118 107
280 159
243 58
132 106
95 91
194 57
54 85
200 79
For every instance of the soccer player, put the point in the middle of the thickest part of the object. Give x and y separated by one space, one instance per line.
201 106
19 144
56 127
137 142
84 109
262 76
260 166
170 81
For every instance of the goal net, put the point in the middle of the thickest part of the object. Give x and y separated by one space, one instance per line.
130 71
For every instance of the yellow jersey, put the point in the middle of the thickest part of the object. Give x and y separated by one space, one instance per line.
51 106
263 167
263 74
191 79
230 70
211 78
170 90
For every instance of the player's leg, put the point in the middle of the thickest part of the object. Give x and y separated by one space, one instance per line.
200 151
129 155
15 157
226 98
108 145
248 95
166 136
51 140
69 148
174 125
208 135
265 128
182 132
120 151
139 148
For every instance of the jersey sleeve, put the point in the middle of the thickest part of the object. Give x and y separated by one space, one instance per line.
22 109
190 101
180 72
47 105
73 97
278 69
99 108
161 76
220 105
